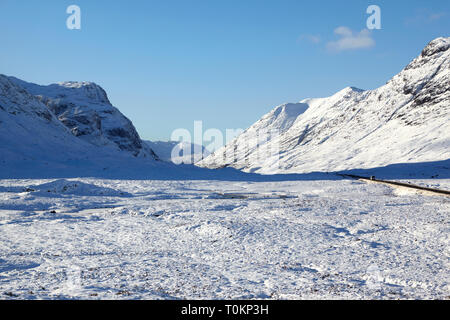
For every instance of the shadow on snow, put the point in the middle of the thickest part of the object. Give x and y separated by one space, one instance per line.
140 170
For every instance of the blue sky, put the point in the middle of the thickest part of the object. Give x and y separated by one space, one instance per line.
167 63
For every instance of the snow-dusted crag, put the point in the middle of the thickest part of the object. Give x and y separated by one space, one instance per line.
65 129
407 120
29 130
84 108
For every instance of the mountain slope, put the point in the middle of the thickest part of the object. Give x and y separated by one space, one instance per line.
29 130
69 128
84 108
406 120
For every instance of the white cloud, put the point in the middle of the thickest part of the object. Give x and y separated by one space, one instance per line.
425 16
350 40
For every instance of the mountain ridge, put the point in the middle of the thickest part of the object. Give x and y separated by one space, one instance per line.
41 127
348 129
84 109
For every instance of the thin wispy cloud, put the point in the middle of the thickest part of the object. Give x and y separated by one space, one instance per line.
315 39
436 16
425 16
350 40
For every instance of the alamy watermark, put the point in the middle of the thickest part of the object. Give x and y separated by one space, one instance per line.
374 21
73 22
258 147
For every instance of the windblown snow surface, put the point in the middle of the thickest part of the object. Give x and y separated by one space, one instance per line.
311 239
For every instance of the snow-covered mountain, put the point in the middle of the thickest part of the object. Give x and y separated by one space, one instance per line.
177 152
67 126
406 120
84 108
28 129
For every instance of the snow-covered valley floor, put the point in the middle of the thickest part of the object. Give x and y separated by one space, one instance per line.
122 239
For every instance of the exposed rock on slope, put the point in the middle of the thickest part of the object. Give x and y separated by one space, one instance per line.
84 108
29 130
69 125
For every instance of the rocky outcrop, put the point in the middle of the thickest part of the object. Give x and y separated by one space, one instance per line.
84 108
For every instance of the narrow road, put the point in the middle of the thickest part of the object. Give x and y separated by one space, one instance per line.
398 184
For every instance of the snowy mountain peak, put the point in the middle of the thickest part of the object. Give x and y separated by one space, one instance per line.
348 90
75 91
288 109
283 116
346 93
435 46
89 90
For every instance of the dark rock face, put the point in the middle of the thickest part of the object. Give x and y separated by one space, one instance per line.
434 47
428 83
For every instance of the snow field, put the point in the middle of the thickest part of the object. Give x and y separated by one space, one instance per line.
123 239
